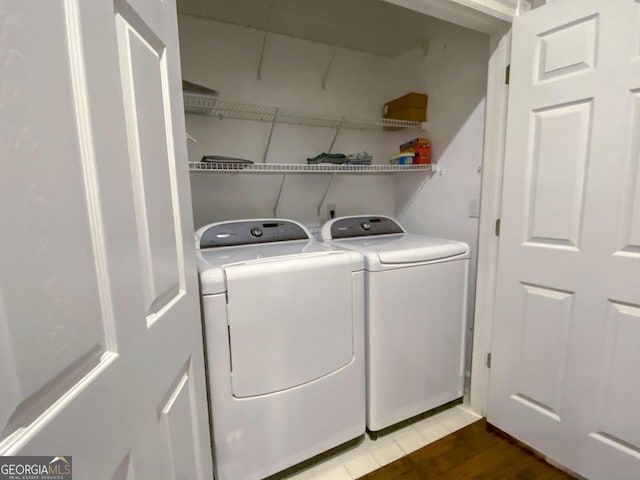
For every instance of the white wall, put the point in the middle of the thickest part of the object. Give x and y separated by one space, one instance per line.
455 73
225 57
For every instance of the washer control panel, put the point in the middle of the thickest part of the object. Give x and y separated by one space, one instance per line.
349 227
250 232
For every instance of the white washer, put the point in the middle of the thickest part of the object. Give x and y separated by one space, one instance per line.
416 290
284 338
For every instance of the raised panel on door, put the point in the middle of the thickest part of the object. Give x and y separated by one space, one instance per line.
630 226
145 89
541 362
619 394
176 417
613 446
151 13
567 49
560 152
56 327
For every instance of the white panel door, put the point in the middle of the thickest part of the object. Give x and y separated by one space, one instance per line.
565 375
100 336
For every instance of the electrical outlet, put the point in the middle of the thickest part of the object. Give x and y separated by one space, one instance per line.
331 207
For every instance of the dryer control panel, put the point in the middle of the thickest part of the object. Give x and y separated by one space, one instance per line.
349 227
250 232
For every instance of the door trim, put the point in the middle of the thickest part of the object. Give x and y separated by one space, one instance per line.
490 206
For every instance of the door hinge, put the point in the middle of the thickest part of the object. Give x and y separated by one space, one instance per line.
507 74
488 360
497 230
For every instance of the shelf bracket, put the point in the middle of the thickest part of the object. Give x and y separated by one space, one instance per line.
264 41
324 195
273 124
424 46
335 136
275 207
325 75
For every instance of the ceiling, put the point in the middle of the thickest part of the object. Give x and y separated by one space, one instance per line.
370 26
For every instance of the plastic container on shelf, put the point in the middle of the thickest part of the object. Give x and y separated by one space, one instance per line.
402 158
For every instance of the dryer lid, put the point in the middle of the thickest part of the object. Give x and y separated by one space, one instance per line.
239 241
212 261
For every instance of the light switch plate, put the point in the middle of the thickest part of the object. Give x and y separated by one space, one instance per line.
474 208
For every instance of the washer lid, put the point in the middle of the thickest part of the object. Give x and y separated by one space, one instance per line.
405 248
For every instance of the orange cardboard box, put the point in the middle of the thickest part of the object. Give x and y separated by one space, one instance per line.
422 154
412 106
416 141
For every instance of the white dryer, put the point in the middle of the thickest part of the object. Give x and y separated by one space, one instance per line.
416 290
284 339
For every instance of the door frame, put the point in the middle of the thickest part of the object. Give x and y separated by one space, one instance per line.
490 210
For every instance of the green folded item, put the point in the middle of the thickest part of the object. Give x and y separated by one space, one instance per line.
336 158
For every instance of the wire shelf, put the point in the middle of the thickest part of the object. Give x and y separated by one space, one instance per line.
210 167
210 106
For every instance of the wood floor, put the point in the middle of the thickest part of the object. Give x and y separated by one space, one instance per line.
478 451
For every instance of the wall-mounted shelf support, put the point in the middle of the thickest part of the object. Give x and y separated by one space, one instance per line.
326 192
424 46
221 109
325 75
264 42
335 136
303 168
273 124
275 206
